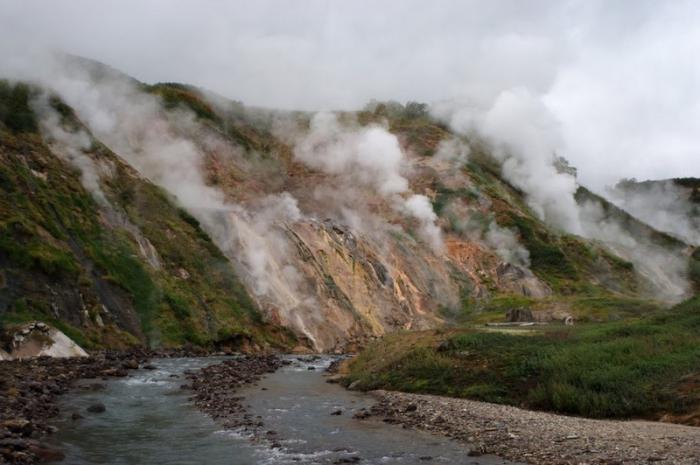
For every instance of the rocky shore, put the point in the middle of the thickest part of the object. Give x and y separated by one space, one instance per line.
540 437
215 388
29 390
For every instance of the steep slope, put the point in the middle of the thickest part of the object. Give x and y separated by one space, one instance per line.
341 227
90 246
369 281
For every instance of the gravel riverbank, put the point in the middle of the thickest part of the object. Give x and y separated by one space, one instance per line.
215 388
540 437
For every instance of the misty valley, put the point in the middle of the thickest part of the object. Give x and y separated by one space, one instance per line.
189 279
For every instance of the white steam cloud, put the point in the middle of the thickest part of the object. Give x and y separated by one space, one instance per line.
161 147
471 223
453 151
524 137
371 157
663 205
506 245
666 272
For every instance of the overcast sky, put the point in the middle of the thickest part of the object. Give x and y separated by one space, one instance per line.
620 78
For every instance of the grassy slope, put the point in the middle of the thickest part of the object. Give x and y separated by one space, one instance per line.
51 232
649 367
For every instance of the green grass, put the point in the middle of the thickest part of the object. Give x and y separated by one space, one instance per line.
620 369
694 270
121 267
176 95
32 253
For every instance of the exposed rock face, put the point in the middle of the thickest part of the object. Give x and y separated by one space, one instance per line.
39 339
363 290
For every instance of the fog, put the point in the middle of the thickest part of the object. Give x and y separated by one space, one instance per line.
618 79
608 86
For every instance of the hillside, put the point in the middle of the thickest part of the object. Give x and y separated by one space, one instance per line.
164 214
111 261
670 205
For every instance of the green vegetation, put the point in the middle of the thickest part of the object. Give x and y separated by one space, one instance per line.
620 369
175 95
570 265
694 270
15 112
546 257
65 262
250 131
596 307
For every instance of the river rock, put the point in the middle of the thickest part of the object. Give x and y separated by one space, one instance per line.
130 364
18 426
361 414
97 408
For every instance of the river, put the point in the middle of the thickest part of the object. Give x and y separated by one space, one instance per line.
149 420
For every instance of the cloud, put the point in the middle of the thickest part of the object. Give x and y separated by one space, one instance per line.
619 78
611 87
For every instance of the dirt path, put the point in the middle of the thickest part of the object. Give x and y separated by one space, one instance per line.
539 437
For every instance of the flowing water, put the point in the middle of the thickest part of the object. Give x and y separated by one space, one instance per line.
149 421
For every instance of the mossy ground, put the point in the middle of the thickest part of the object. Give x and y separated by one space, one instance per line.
633 368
